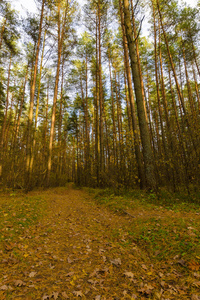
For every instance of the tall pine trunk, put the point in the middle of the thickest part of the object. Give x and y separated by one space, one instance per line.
144 131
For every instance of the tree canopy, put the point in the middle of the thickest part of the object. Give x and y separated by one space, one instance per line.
85 97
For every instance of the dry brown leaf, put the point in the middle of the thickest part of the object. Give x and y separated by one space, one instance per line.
19 283
91 281
94 273
117 262
51 266
9 247
55 295
32 274
69 260
146 290
129 274
104 258
46 297
4 288
144 267
70 274
196 283
197 275
160 274
78 293
64 295
98 297
163 284
124 293
195 297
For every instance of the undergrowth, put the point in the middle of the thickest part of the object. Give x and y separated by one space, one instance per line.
18 213
164 225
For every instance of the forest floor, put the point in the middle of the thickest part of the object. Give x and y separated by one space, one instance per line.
67 243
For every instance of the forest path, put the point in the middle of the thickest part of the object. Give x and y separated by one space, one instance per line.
79 250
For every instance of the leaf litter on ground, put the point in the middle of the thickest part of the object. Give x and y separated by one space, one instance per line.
52 247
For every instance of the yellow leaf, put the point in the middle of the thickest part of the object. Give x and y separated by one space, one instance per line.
26 255
84 272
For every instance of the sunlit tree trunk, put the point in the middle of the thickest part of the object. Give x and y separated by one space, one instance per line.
30 116
145 137
101 135
5 118
37 109
60 37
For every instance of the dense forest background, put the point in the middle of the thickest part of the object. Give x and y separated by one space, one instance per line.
103 106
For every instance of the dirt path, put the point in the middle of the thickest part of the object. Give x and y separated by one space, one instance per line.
78 251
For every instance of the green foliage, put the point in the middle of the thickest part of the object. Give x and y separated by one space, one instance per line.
10 24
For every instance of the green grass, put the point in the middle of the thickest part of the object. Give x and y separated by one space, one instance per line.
166 239
165 236
133 198
17 213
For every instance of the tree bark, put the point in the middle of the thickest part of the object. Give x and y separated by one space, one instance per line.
145 137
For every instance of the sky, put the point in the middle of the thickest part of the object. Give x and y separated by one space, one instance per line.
30 5
22 5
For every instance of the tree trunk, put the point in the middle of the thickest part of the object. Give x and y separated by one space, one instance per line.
30 117
145 137
5 118
141 174
61 33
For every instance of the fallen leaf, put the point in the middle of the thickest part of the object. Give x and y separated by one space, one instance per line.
144 267
160 274
91 281
196 283
55 295
69 260
4 288
129 274
19 283
94 273
78 293
51 266
193 265
98 297
146 290
32 274
182 262
195 297
117 262
9 247
46 297
64 295
70 274
125 293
